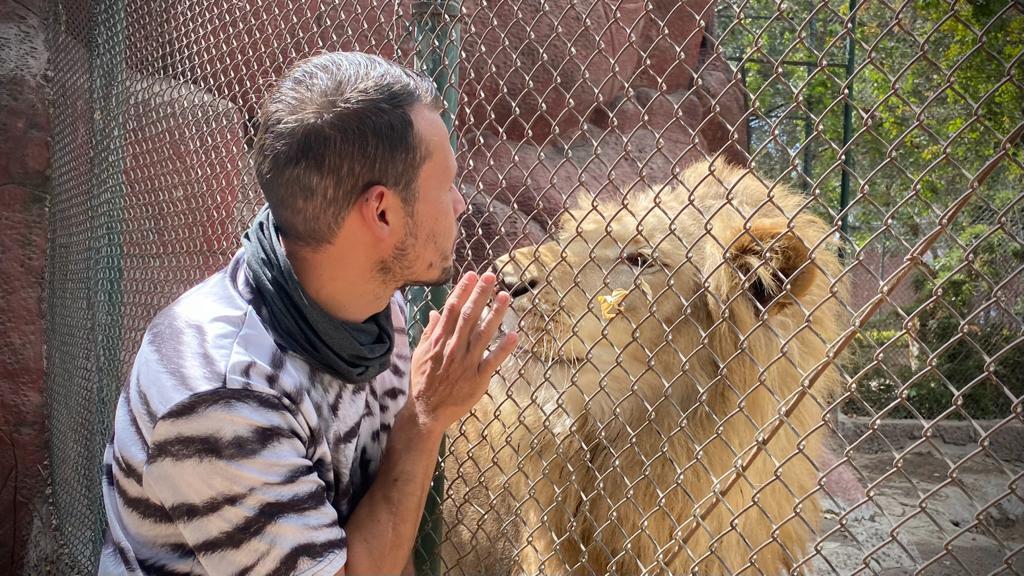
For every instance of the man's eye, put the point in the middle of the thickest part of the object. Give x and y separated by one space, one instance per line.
637 260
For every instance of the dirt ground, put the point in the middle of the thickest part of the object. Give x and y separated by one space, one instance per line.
940 510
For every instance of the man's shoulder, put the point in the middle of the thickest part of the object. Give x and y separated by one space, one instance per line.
190 345
221 298
201 319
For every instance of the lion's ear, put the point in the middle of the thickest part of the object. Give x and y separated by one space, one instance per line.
771 263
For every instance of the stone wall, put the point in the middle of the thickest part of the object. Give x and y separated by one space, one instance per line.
24 164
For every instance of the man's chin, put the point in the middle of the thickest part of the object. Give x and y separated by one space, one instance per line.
442 278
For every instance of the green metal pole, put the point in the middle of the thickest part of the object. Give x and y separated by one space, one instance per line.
108 88
746 106
438 40
808 167
844 190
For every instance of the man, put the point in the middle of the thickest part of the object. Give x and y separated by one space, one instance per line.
250 437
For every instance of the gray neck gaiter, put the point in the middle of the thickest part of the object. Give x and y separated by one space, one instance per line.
353 352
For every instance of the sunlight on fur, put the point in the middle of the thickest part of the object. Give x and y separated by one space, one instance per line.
598 440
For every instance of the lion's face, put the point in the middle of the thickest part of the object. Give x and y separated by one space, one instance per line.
687 272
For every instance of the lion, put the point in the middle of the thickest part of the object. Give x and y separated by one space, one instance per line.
664 336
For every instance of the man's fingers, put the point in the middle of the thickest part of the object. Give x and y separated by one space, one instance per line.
456 301
470 316
492 322
490 363
428 330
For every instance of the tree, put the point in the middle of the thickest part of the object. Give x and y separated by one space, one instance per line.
936 88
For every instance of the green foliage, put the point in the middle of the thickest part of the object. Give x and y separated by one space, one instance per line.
936 88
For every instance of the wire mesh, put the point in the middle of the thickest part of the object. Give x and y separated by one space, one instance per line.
810 365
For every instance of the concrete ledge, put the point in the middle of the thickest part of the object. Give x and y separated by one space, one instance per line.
1004 438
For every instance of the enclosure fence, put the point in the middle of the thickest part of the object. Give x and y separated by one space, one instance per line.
767 260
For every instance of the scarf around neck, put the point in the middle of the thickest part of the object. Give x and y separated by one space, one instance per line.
353 352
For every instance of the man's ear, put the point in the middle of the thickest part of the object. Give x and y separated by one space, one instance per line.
771 262
377 207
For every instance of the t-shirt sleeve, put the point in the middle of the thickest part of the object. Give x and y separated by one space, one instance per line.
230 467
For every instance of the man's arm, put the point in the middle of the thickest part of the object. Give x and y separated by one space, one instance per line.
382 529
450 372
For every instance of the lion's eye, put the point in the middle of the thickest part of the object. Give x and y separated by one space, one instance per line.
638 260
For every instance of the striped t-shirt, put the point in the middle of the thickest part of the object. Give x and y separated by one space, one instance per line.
231 455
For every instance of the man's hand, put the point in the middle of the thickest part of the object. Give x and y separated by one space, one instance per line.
451 366
450 371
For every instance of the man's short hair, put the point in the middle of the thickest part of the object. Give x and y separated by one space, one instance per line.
335 125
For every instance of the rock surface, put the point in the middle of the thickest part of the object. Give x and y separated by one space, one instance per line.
24 181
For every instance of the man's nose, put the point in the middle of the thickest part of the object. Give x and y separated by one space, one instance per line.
459 203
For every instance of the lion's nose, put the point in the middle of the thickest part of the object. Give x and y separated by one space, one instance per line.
517 288
513 279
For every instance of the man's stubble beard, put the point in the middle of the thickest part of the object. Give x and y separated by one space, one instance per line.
395 269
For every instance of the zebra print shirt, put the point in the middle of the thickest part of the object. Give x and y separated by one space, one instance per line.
231 456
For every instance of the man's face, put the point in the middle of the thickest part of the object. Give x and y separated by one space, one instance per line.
426 252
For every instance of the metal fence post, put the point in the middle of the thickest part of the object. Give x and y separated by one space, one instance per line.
108 85
844 190
438 40
809 123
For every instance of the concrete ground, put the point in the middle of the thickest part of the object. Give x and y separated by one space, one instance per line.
941 509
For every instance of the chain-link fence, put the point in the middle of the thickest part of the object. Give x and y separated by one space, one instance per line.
812 365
